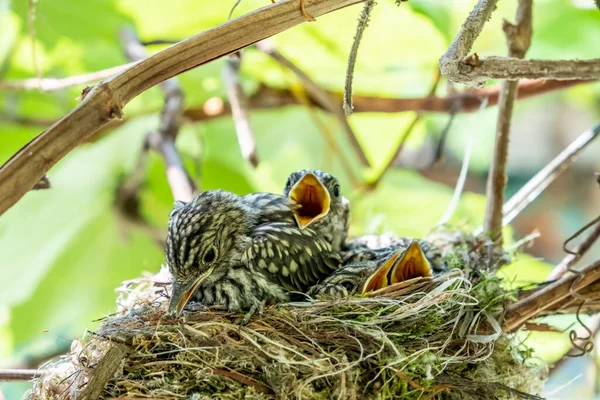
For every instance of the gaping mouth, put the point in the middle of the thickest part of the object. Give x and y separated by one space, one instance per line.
312 199
181 294
401 266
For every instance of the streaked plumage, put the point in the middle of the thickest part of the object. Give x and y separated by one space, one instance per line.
242 251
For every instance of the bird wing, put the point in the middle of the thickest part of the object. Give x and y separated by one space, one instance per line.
270 207
293 257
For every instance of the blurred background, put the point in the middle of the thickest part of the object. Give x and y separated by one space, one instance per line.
63 251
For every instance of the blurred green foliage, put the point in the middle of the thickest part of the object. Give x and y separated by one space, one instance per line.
64 250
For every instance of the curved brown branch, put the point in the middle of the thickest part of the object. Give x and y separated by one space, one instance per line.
106 100
548 296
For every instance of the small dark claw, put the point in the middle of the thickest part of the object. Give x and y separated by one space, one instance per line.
256 308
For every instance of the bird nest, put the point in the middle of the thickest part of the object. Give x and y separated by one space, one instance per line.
429 338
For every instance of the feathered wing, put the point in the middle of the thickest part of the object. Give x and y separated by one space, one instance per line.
295 258
270 207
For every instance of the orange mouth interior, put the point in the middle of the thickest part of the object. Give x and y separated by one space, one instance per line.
312 199
403 265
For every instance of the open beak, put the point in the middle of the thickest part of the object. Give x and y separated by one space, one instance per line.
312 198
182 292
400 266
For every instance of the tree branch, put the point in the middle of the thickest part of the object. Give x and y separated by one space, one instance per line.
545 298
458 66
163 142
363 22
464 40
571 259
18 375
518 37
239 108
53 84
479 71
544 178
106 100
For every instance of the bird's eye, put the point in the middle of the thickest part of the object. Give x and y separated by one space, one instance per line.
209 256
336 190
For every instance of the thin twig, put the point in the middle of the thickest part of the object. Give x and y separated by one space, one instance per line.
363 22
518 37
182 186
536 185
547 175
18 375
319 96
270 98
53 84
239 108
481 70
460 184
105 101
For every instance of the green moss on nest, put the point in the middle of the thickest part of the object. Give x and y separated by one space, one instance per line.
436 338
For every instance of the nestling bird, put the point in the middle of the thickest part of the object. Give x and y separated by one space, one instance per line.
366 269
242 251
319 204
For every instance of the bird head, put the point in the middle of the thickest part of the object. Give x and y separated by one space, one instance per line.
316 193
403 265
203 240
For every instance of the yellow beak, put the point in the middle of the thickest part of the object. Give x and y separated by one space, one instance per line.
312 199
400 266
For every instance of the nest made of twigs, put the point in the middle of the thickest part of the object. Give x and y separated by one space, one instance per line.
434 338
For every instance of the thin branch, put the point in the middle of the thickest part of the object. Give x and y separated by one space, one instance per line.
182 186
518 37
458 66
272 98
536 185
363 22
544 178
460 184
106 100
513 68
18 375
546 297
319 96
53 84
571 259
239 108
